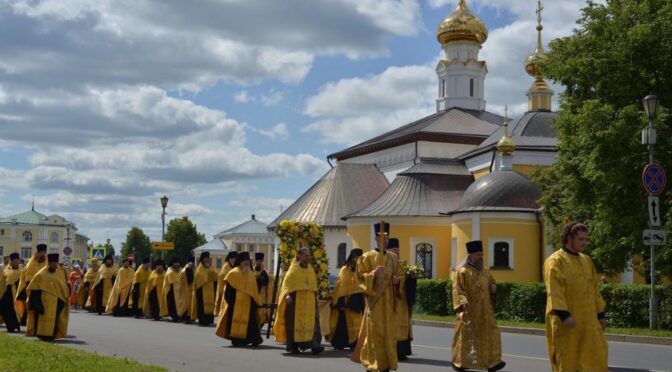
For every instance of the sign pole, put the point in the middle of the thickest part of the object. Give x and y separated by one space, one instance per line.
651 188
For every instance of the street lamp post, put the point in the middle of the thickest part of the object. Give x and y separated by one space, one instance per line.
164 204
649 138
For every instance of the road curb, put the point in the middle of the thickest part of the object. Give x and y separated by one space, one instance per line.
650 340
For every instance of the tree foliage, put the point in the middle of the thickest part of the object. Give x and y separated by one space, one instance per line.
186 237
618 53
137 243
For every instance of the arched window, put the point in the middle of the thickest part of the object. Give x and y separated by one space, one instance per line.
501 255
424 258
54 237
471 87
341 254
27 236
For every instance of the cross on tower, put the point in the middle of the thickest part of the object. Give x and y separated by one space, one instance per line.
538 11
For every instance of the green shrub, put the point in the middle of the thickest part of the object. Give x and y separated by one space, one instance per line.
527 303
431 296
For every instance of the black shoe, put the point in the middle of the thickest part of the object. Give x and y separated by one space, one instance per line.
317 350
497 367
456 368
402 357
294 350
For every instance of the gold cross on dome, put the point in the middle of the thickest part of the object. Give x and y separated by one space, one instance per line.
539 10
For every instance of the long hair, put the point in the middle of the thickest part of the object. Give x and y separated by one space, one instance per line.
571 230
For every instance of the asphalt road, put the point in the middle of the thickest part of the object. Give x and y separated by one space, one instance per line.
181 347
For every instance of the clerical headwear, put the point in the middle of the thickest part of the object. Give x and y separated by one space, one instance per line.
354 254
393 243
108 257
202 257
174 260
159 263
127 260
42 247
232 254
52 257
259 256
376 228
242 256
474 246
146 260
14 256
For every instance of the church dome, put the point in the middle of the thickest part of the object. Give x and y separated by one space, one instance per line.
501 189
462 25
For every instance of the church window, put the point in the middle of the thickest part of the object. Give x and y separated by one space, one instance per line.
26 252
341 254
54 237
219 262
27 236
423 257
443 88
471 87
501 253
2 251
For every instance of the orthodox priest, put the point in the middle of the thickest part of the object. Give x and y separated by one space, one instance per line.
380 273
406 298
298 324
477 342
347 305
154 304
575 319
120 295
140 279
239 320
102 287
265 286
85 296
173 289
203 298
48 309
187 284
9 280
35 264
229 262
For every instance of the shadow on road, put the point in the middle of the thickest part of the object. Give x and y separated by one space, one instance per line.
621 369
69 341
325 354
428 362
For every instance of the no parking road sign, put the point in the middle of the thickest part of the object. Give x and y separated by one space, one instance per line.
654 179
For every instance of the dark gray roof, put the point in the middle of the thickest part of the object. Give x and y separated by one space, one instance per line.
418 195
438 166
454 125
346 188
501 189
251 226
534 130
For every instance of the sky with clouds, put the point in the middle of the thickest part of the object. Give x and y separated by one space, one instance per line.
229 107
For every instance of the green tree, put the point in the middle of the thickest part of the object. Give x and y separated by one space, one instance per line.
617 54
137 243
186 237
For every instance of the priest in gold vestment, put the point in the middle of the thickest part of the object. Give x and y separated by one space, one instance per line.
120 295
84 292
35 264
48 309
229 262
477 342
265 286
154 304
140 279
173 290
347 305
102 287
406 300
205 290
575 319
239 320
297 324
9 283
187 280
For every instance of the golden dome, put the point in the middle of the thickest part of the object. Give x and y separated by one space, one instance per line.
506 146
538 56
461 25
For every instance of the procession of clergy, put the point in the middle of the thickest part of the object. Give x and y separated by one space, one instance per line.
371 304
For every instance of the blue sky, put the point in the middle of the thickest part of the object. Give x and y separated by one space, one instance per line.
230 108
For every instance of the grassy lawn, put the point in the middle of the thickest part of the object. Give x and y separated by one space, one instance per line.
22 354
509 323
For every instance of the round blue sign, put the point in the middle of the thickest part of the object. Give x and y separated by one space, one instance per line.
654 179
67 251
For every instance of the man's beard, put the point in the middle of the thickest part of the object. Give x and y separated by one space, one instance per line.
52 270
257 268
40 259
303 265
245 269
477 264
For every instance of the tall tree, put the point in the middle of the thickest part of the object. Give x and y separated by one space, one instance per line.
137 243
618 53
186 237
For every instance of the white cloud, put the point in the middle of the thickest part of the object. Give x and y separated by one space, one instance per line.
243 97
278 131
273 98
265 209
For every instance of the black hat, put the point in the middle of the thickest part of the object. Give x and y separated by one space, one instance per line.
108 257
376 228
393 243
203 256
174 260
354 254
242 256
232 254
259 256
14 256
474 246
192 259
126 260
52 257
42 247
146 260
159 262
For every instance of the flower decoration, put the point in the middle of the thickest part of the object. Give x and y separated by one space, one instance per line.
412 270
